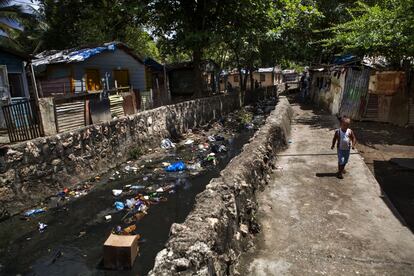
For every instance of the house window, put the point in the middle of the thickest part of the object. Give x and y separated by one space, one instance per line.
262 77
93 80
122 78
236 78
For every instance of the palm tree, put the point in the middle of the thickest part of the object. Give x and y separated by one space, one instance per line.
10 17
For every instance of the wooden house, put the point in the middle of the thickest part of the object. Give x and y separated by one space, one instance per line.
182 81
89 69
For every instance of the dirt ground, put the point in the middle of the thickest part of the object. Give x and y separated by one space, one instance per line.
389 153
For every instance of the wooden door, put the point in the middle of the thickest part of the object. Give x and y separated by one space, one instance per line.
4 85
93 80
121 77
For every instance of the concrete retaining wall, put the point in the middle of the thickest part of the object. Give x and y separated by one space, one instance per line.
219 227
33 170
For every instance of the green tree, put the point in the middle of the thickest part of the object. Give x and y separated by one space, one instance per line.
385 28
11 18
187 27
74 23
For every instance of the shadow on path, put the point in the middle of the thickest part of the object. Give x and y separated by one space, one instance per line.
395 176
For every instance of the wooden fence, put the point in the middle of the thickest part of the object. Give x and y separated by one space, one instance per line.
22 121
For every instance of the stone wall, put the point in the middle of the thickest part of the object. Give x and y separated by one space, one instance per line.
34 170
219 227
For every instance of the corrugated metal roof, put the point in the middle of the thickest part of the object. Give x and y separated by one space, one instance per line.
79 54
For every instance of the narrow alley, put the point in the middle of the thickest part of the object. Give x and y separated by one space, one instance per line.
316 224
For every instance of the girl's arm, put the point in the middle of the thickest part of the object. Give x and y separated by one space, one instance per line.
353 138
334 139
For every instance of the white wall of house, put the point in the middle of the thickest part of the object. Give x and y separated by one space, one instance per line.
270 79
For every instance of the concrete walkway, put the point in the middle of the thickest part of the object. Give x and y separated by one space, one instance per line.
315 224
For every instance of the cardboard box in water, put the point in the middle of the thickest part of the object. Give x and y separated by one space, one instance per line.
120 251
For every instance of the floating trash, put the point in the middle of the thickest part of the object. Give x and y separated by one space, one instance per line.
119 205
33 212
175 167
189 142
42 227
116 192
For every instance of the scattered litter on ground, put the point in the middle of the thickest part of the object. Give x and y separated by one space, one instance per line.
189 142
108 217
167 144
211 138
129 168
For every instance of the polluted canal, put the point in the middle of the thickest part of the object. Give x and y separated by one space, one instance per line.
144 197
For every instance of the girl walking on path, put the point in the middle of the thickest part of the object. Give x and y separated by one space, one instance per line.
346 140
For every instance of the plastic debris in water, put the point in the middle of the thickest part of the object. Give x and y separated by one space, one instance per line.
249 126
33 212
119 205
196 166
118 230
42 227
116 192
176 167
137 187
218 148
129 229
130 202
211 138
129 168
189 142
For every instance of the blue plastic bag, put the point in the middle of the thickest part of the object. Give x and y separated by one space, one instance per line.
176 167
119 205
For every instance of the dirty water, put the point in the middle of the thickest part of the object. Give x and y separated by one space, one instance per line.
72 244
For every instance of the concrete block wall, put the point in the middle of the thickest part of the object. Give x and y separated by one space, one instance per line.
33 170
219 227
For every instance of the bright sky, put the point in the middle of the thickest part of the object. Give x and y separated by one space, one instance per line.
26 3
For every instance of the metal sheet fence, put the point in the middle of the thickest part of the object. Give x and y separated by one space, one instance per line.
70 115
354 99
22 121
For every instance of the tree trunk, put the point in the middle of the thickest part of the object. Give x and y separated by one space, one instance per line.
251 80
246 75
198 80
240 78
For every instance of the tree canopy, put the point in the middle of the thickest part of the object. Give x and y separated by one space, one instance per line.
234 33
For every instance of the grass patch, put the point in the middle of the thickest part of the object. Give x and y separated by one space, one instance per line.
136 152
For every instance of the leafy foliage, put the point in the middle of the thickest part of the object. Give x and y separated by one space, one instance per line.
234 33
385 28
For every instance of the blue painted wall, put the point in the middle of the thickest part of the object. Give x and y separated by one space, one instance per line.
107 62
14 63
